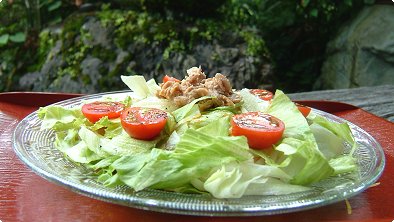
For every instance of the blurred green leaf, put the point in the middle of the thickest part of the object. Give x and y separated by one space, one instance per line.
4 39
305 3
314 13
56 20
348 2
55 5
18 37
370 2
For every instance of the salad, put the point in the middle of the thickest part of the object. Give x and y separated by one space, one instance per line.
197 135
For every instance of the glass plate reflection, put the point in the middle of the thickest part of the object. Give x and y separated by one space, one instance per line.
35 148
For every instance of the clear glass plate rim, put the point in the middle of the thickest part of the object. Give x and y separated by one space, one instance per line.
164 206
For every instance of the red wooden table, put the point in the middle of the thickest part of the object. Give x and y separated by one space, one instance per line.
24 196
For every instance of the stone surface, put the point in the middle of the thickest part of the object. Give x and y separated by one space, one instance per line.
97 64
362 54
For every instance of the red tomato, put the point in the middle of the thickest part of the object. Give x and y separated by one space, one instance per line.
96 110
143 123
167 78
262 94
305 110
262 130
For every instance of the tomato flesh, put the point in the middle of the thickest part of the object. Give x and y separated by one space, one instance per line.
262 94
305 110
167 78
262 130
96 110
143 123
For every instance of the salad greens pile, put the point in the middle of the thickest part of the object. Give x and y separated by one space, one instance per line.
196 154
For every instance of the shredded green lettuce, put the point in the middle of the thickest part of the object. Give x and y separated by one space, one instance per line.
140 86
194 156
332 138
342 130
69 143
208 123
123 144
188 111
252 103
235 180
111 127
60 118
196 152
299 155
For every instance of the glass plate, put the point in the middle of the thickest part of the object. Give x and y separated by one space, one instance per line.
35 148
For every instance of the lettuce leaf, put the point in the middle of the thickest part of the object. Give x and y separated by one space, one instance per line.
343 164
214 123
189 111
252 103
111 127
284 109
193 157
81 153
341 130
235 180
60 118
70 144
299 155
92 141
123 144
332 138
303 161
328 143
197 154
140 86
146 169
155 102
195 144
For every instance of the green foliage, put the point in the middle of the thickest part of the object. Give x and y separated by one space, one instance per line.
293 34
316 22
20 38
46 42
170 33
256 44
53 12
12 39
74 51
182 9
50 9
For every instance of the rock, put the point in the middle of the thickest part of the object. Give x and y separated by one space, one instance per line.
42 79
98 35
242 70
67 84
91 67
362 54
27 81
87 60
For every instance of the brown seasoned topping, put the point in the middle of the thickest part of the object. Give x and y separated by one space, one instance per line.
195 76
219 85
196 85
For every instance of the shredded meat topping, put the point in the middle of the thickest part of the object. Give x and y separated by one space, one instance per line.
196 85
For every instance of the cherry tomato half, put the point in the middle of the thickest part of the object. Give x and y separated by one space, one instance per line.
305 110
167 78
96 110
262 94
143 123
262 130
